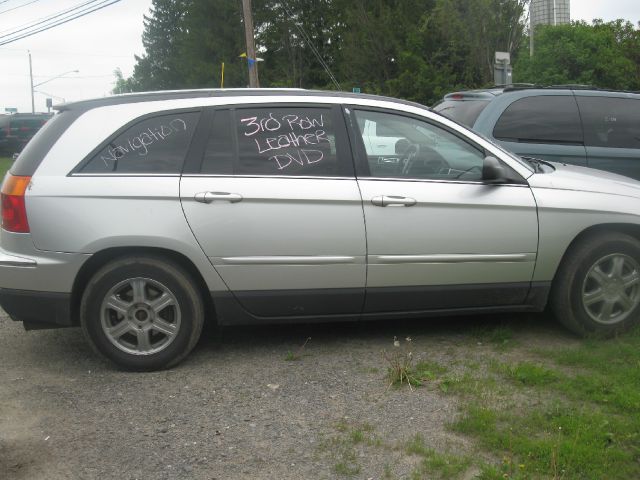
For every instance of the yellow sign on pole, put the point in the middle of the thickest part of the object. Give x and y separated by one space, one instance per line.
222 77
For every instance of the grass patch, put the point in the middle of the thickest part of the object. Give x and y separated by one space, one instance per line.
435 464
529 374
582 420
501 336
563 413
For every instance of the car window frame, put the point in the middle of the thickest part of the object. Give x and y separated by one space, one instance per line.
77 170
361 159
194 163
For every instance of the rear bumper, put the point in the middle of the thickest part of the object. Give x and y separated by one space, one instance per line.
37 309
36 286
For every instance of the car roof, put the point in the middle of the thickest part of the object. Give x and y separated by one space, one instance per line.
495 91
84 105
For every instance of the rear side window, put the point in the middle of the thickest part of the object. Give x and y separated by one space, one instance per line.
541 119
462 111
157 145
610 122
294 141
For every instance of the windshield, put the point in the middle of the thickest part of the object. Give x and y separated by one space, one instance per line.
463 111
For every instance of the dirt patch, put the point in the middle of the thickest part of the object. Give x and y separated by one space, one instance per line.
236 408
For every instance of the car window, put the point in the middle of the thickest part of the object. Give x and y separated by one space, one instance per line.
541 119
610 122
153 145
296 141
462 111
417 149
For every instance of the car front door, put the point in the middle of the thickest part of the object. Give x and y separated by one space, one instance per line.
274 204
437 236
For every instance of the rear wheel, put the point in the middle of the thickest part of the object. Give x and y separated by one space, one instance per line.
597 288
142 313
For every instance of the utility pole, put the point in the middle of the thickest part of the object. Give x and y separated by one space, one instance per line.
251 48
33 103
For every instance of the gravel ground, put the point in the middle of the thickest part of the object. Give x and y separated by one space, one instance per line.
235 408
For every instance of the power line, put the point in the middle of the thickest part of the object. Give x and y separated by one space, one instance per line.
67 53
60 22
308 41
71 11
19 6
45 18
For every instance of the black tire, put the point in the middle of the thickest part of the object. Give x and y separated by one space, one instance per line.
181 317
574 287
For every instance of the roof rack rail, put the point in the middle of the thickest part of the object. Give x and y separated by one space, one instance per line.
515 85
569 86
575 86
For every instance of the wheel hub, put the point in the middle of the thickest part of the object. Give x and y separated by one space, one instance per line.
140 316
611 289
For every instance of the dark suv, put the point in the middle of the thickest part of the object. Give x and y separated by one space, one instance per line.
570 124
16 130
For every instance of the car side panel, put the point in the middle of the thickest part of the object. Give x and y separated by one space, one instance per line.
565 214
87 214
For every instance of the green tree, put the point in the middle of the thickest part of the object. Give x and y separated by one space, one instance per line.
414 49
159 67
605 55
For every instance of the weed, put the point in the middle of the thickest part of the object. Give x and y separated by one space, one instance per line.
400 360
387 473
357 436
347 467
297 355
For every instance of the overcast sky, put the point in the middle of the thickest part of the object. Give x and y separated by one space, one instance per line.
100 42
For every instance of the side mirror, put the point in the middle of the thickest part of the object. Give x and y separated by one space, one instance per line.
492 170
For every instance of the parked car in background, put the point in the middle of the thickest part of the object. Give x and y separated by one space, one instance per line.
576 125
16 130
138 217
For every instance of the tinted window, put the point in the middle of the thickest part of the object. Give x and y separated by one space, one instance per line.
462 111
286 141
154 145
219 154
35 151
610 122
417 150
541 119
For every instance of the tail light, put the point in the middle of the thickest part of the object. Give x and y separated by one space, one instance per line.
14 211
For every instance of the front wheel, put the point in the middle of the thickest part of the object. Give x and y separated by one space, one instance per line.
597 288
142 312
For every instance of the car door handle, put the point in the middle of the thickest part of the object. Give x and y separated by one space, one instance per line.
393 200
208 197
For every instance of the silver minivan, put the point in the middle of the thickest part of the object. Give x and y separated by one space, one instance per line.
139 217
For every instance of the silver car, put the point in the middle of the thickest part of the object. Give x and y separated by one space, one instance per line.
139 217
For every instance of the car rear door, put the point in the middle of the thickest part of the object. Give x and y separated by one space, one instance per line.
273 201
612 132
438 238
